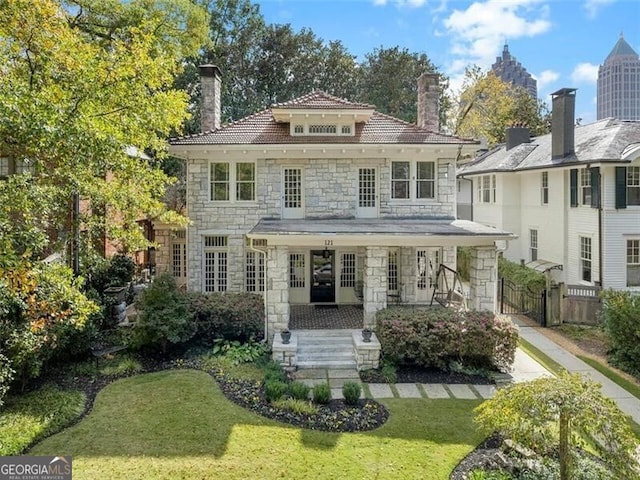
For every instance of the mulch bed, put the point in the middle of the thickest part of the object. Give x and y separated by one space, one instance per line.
407 374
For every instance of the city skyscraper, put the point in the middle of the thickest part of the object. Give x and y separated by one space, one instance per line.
510 70
619 83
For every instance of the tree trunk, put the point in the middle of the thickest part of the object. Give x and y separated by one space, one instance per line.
563 453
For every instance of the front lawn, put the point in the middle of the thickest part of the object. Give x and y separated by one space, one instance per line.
177 424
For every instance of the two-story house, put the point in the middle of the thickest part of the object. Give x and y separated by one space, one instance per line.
572 196
324 201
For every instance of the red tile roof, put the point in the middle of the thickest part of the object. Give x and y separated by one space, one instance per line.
261 129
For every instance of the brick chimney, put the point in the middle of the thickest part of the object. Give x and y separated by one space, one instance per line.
515 135
428 101
210 107
563 122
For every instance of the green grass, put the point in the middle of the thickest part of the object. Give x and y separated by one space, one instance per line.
630 387
179 425
28 418
540 357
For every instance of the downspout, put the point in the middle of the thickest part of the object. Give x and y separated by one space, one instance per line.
264 292
600 212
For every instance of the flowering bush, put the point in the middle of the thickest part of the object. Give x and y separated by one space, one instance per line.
434 337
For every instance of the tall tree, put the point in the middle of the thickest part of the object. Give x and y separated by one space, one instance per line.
389 81
486 106
85 80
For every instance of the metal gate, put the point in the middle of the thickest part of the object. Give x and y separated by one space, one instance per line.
521 300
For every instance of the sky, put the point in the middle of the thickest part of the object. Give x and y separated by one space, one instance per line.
560 42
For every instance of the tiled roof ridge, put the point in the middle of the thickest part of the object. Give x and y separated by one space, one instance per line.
298 101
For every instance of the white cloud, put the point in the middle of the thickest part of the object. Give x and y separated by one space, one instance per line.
593 6
479 32
585 73
379 3
545 78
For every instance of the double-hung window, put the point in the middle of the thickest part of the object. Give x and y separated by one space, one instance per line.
413 180
633 185
533 244
232 181
633 263
487 189
544 188
585 186
585 259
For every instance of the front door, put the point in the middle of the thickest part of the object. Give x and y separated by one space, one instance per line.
323 276
367 194
292 195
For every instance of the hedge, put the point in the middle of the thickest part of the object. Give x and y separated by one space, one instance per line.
233 316
434 337
621 311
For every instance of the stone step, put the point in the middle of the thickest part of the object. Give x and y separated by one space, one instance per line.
333 364
325 333
347 347
327 355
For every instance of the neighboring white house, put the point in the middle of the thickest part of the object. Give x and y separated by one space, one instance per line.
311 198
572 197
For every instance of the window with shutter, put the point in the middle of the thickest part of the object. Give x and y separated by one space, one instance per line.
595 187
573 189
621 187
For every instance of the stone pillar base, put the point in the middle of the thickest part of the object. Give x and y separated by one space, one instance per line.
285 354
367 353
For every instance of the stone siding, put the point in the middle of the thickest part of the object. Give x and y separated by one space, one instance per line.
277 295
375 283
483 267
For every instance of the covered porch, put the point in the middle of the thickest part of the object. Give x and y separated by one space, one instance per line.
393 259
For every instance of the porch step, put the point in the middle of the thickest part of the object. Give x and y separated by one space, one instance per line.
325 349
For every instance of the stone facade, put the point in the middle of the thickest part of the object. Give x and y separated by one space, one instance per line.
277 295
285 353
483 278
367 353
375 283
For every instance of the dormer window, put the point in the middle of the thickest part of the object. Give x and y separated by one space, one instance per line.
346 129
322 129
298 129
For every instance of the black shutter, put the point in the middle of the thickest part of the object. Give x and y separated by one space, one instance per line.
595 186
621 187
573 187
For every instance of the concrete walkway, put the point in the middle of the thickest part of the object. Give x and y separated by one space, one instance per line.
626 402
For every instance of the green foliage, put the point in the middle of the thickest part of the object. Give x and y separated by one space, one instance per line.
33 416
351 392
42 307
434 337
486 106
299 390
489 475
6 377
556 414
388 372
121 365
296 405
321 393
527 277
274 390
163 315
237 352
621 312
274 371
463 261
232 316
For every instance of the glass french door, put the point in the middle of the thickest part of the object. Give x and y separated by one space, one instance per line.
292 193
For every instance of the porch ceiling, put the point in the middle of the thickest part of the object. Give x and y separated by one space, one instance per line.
376 232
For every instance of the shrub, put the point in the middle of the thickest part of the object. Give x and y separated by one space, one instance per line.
232 316
274 390
433 337
351 392
534 281
299 390
322 393
296 405
163 315
121 365
6 376
388 372
621 311
555 414
237 352
274 371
